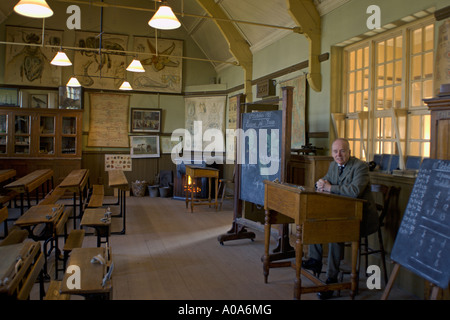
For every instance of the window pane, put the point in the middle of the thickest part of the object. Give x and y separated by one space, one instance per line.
390 49
389 98
398 97
427 89
387 147
429 37
398 72
351 103
402 127
358 101
352 60
366 57
428 65
380 52
366 79
416 94
351 81
380 75
387 128
425 149
380 99
414 123
426 127
399 47
389 73
417 41
414 149
416 68
359 59
359 80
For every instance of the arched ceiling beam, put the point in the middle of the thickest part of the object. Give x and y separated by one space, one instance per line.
305 14
239 47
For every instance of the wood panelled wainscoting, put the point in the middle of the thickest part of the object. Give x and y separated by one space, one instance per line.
142 168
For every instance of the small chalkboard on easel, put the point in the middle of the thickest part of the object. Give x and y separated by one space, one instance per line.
423 240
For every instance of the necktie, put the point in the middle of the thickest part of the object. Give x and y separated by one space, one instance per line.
341 169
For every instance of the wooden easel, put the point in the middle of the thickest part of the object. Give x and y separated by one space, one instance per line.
239 231
434 291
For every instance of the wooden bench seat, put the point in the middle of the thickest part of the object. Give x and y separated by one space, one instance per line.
15 236
74 240
54 291
97 196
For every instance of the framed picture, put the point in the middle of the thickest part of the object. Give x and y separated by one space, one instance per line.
39 101
167 144
70 97
9 97
144 146
145 120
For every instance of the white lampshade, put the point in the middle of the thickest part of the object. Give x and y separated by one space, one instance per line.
61 59
125 86
164 19
33 8
73 82
135 66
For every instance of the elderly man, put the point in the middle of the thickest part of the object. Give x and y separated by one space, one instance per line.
347 176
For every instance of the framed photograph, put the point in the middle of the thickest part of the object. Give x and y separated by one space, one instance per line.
144 146
167 144
145 120
39 101
70 97
9 97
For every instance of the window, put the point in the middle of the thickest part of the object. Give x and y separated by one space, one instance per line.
386 79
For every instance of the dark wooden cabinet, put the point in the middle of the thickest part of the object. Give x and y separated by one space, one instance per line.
305 170
440 126
32 139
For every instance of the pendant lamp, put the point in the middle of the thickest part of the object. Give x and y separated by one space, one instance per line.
135 66
125 86
33 9
73 82
61 60
164 19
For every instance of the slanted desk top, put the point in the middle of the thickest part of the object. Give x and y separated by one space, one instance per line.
31 181
7 174
117 179
75 179
91 273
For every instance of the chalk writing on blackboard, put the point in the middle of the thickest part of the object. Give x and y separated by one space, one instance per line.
423 239
261 152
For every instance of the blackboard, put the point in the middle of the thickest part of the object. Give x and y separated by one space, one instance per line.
260 153
423 240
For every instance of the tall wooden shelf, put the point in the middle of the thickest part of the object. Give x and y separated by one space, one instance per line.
33 138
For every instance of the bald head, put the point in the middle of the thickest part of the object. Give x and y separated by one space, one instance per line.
340 150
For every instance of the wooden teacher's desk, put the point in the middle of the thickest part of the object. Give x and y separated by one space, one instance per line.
29 183
92 283
118 180
201 172
76 181
320 218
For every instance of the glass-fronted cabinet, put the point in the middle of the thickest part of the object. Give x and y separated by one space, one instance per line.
69 135
22 134
3 133
44 133
47 132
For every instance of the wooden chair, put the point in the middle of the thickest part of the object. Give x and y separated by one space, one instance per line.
223 184
387 195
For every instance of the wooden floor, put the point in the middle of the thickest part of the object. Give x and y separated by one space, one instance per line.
169 253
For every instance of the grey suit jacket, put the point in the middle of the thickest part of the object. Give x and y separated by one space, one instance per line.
355 182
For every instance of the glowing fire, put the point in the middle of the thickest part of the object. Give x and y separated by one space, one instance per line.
191 186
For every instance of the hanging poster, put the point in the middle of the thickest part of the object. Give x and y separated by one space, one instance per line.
108 120
201 114
118 162
30 65
162 63
100 71
298 136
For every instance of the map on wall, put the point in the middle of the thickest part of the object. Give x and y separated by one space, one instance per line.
30 65
162 63
298 135
203 113
105 71
108 120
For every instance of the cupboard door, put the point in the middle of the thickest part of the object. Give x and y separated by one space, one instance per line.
70 144
46 135
22 138
4 125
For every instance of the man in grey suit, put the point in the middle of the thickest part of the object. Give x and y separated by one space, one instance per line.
347 176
